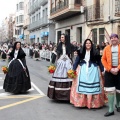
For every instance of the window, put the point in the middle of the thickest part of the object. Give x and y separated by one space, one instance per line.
58 36
52 8
21 18
17 19
52 1
26 9
43 13
17 7
20 31
46 11
101 35
21 4
97 9
119 31
34 18
77 1
66 2
15 31
117 8
94 36
37 17
38 40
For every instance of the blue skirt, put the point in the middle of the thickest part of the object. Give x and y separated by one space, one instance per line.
89 80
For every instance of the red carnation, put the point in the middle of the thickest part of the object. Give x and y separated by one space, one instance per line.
51 71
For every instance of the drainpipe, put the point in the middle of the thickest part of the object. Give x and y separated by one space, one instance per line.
112 16
109 11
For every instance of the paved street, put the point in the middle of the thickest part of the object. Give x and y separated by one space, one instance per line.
36 106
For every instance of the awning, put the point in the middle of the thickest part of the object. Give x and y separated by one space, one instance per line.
44 34
32 37
21 36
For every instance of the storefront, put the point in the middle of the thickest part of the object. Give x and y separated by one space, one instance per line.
44 37
32 38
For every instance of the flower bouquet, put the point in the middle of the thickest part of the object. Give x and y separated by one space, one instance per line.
51 69
71 74
5 69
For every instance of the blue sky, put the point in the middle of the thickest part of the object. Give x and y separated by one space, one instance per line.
6 7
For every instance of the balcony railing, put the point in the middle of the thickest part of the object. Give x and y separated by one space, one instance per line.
36 6
94 13
43 21
60 6
117 7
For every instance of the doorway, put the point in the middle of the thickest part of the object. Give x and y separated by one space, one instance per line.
58 36
67 32
79 35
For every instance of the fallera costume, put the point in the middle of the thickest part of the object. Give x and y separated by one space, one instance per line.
17 79
60 85
36 54
87 88
4 54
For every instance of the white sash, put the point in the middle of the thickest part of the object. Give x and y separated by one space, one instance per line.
20 63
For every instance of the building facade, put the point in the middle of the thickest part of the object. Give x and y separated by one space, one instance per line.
20 20
41 28
14 28
11 27
81 19
26 22
4 30
68 18
102 19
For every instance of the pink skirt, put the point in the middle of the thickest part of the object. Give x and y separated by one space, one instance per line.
83 100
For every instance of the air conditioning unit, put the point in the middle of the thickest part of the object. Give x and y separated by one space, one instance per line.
82 9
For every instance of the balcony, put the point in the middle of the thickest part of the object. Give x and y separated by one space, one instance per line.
20 23
36 6
64 9
117 8
42 22
94 13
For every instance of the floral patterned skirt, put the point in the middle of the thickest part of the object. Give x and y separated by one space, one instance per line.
83 100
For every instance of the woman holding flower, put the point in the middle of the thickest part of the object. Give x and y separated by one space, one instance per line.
86 90
17 79
60 85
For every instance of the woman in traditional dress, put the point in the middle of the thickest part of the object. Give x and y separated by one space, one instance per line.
87 88
0 50
31 51
53 55
36 53
8 53
17 79
4 53
60 85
